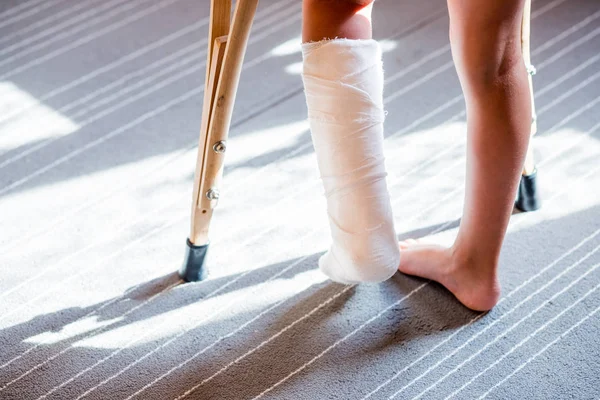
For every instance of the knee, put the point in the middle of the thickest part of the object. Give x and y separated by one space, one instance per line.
485 58
487 49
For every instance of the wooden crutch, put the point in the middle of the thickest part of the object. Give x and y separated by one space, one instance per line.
528 198
227 42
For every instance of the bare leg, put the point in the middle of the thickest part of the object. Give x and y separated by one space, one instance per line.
486 48
328 19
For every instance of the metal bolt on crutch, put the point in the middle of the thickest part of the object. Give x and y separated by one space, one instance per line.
227 42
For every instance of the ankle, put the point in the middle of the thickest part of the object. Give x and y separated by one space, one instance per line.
483 264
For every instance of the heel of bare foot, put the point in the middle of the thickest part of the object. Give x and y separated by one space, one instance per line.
475 285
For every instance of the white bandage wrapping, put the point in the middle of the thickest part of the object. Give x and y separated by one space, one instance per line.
343 81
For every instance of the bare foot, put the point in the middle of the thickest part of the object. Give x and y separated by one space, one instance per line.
474 285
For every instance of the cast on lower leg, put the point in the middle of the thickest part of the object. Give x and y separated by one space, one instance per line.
343 81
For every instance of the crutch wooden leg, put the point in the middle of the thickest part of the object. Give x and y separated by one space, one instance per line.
528 198
227 47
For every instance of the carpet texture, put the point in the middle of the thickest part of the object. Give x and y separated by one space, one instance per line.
99 116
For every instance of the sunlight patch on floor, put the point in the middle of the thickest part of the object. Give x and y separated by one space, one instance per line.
243 148
79 327
292 46
562 172
202 314
21 206
25 121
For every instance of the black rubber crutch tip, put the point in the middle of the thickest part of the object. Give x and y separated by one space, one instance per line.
193 268
529 198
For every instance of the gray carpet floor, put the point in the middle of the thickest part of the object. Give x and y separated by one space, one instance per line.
99 115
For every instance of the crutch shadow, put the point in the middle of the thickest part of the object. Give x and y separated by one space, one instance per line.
187 294
168 293
53 323
361 326
157 296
